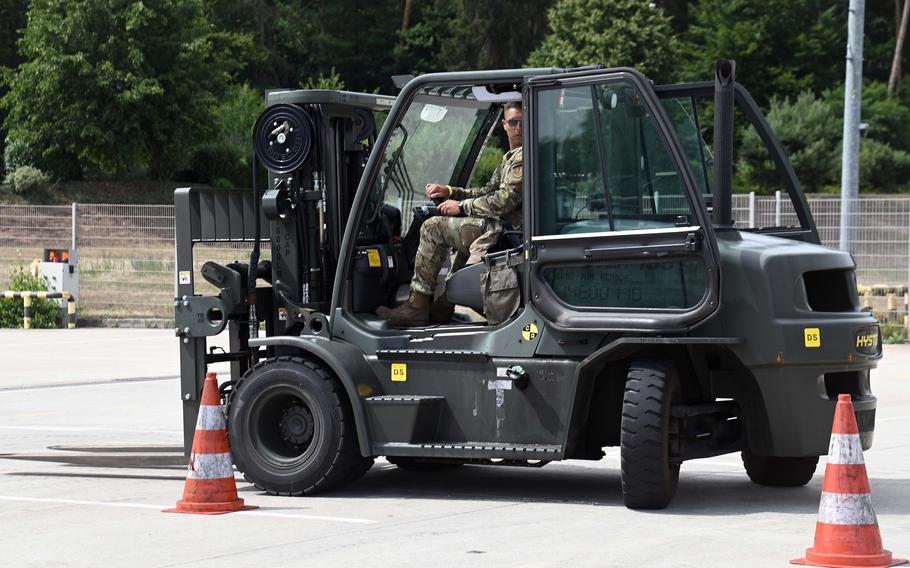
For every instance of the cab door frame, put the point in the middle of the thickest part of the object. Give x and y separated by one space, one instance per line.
807 231
695 240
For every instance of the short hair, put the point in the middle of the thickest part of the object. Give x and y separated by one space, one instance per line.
513 105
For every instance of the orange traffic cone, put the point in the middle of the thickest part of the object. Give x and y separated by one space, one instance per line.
210 487
846 534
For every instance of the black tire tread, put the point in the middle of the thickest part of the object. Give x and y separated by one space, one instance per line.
642 444
347 464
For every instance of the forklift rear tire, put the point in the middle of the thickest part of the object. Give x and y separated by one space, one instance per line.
649 479
779 472
291 429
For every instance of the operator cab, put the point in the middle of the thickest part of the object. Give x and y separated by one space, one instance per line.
448 135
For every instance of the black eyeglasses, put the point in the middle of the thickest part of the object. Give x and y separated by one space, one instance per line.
513 122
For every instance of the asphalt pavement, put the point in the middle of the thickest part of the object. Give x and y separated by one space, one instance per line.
90 453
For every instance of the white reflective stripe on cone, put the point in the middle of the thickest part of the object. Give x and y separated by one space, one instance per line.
210 466
211 418
845 449
846 509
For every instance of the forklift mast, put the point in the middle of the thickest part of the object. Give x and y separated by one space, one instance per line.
312 145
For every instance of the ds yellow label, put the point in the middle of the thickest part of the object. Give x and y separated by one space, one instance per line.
399 372
812 336
373 258
529 332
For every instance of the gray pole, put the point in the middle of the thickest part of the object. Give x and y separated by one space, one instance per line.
849 189
73 235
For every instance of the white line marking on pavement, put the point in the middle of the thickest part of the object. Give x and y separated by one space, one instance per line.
78 429
77 502
88 383
28 342
256 513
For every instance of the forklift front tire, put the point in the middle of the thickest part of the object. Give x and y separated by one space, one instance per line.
291 429
649 479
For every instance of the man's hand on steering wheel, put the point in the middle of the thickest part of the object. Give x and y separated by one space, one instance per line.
437 191
449 208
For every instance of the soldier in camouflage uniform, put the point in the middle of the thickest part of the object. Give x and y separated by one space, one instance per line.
470 221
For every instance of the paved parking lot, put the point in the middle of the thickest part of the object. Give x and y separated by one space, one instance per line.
91 454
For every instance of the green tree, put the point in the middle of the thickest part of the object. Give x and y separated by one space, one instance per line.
880 30
810 132
12 14
419 49
354 37
255 18
224 158
810 128
678 10
118 84
616 33
492 35
781 47
331 81
888 118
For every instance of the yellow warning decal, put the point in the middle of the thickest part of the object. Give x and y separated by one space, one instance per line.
399 372
373 258
529 332
813 337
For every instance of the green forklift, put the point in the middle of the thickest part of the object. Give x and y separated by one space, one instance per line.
646 313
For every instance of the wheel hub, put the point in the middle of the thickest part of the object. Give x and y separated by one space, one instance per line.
296 425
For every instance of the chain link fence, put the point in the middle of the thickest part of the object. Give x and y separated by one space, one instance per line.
125 255
126 252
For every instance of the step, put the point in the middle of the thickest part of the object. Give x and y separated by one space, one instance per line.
404 417
471 450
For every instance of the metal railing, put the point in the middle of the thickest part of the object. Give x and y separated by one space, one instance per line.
27 298
126 252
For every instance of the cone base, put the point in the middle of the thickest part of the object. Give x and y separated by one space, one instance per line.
209 508
883 560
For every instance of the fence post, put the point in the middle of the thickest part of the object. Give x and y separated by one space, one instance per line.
777 208
73 234
656 202
751 209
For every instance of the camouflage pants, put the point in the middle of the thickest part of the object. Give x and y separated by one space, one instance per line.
471 237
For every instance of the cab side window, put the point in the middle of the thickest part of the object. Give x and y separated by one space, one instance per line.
603 164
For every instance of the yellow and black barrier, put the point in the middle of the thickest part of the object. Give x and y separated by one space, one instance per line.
27 305
893 311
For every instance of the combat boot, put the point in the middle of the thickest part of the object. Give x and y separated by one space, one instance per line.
416 311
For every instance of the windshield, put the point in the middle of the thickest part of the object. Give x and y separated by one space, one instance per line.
430 145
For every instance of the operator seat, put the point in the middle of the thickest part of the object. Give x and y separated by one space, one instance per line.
465 287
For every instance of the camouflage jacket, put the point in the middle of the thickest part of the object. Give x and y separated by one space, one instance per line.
501 197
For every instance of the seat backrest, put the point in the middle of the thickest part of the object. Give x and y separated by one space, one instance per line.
465 287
